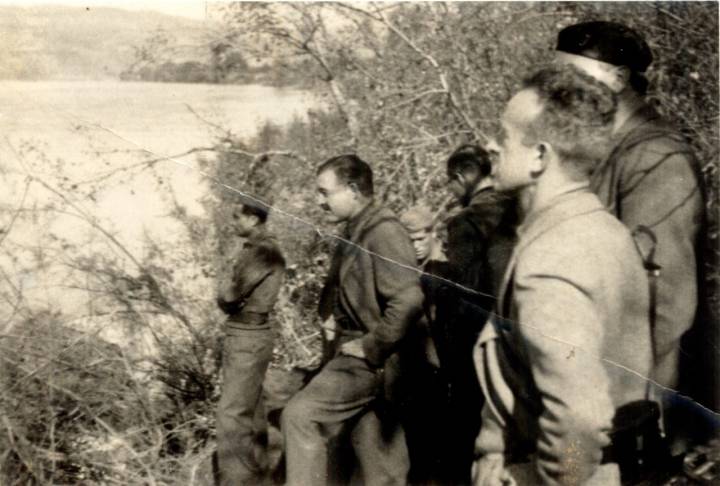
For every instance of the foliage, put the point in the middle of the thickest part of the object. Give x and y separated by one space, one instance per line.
401 84
406 83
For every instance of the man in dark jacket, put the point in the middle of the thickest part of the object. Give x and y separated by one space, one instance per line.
652 179
480 241
371 298
248 297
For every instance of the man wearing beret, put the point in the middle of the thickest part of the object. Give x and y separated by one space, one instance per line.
650 179
371 298
570 346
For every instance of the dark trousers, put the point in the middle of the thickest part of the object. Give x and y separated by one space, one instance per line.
318 421
246 356
455 332
425 419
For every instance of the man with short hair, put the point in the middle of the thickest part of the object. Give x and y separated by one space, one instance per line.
480 241
371 298
481 236
423 386
420 225
571 344
652 179
248 297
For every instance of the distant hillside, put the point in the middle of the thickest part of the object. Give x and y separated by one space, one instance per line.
77 43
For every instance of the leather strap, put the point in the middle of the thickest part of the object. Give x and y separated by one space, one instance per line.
653 273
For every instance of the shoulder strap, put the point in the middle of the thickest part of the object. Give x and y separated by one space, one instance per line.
645 133
653 273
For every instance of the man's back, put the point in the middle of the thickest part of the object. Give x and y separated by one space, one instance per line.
480 240
652 179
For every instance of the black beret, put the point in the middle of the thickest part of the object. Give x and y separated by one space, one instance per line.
608 42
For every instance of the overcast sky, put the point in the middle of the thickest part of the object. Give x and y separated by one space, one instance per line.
194 9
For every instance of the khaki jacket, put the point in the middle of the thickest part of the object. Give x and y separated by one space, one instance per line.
250 294
571 343
653 179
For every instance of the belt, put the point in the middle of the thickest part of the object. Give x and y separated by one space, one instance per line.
249 320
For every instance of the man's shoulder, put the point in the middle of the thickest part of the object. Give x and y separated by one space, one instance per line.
382 223
483 213
653 138
584 243
266 249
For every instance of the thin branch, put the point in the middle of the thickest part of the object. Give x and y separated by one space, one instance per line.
226 131
418 97
7 230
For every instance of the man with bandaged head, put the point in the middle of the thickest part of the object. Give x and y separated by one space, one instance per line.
651 181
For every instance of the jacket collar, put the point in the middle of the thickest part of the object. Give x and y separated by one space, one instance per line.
354 231
563 207
483 196
355 226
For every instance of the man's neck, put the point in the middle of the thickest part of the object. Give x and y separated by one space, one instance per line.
541 195
353 219
628 103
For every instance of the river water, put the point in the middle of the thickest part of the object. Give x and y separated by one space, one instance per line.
69 132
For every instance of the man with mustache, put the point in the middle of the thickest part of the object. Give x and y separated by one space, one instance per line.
371 298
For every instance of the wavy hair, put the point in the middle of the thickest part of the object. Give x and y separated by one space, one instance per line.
577 116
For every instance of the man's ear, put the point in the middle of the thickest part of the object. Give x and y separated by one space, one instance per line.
354 188
541 157
470 179
255 220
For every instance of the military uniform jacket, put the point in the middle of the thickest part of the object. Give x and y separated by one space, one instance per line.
257 274
571 343
652 178
375 281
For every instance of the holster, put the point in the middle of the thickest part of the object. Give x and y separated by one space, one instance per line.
637 445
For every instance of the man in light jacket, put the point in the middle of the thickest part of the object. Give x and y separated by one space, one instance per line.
571 342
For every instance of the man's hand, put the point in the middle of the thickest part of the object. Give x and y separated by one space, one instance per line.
329 327
353 348
489 470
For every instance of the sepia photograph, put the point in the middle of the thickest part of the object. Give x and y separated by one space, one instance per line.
382 243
